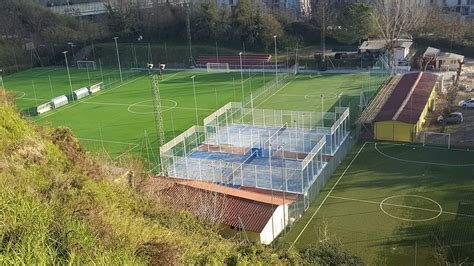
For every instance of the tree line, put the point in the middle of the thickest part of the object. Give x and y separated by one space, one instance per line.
22 21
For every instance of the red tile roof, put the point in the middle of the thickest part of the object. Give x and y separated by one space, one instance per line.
409 98
247 208
246 214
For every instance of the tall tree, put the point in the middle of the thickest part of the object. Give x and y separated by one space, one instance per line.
206 21
244 22
356 23
268 26
396 18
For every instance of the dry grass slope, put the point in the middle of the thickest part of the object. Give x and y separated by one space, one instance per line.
59 206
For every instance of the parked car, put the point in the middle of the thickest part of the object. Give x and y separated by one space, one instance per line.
469 103
452 118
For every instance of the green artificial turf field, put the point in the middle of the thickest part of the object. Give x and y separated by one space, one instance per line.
38 85
323 92
120 118
398 205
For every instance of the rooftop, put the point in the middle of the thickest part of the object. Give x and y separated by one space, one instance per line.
431 51
450 56
409 98
379 44
249 209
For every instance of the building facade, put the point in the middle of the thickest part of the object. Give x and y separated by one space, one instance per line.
464 8
296 8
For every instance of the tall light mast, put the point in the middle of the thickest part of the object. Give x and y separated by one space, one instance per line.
155 87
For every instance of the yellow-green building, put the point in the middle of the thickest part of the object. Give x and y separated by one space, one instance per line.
402 116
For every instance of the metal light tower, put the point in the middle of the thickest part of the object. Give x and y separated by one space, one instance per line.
155 86
68 75
118 59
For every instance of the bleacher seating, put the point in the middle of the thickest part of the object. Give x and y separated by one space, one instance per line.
248 60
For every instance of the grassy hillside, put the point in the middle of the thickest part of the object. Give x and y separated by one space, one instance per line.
58 206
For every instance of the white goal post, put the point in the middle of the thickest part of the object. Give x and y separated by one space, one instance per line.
218 67
86 65
436 139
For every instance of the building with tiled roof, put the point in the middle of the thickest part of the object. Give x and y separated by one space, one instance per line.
404 112
256 214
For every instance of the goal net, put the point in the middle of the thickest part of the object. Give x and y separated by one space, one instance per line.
218 67
436 139
86 65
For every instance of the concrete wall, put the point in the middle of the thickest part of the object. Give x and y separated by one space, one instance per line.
278 223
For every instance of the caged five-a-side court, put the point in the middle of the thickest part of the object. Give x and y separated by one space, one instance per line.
276 150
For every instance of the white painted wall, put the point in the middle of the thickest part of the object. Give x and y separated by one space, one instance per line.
266 236
401 53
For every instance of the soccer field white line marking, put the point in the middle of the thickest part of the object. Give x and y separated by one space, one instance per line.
420 162
33 99
127 151
92 96
273 94
403 206
108 141
100 93
419 146
146 105
18 97
327 196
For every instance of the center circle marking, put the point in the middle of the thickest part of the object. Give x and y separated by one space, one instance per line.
383 202
166 108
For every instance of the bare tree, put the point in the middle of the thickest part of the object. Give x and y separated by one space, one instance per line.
204 205
396 18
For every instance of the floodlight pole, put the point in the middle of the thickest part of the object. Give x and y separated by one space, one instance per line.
296 59
68 75
322 110
241 77
217 53
118 59
195 101
72 49
284 181
276 61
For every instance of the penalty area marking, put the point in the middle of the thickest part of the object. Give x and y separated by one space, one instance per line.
421 162
167 108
